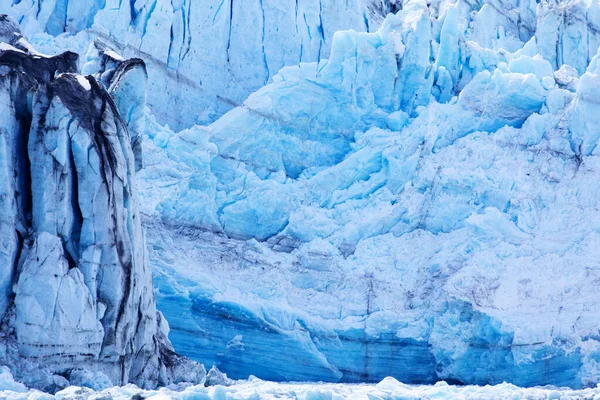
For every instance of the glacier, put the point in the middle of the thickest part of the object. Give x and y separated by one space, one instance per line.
203 58
417 198
422 204
76 282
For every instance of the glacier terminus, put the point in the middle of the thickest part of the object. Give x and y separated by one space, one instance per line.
377 192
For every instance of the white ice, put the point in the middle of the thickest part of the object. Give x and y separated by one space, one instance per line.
255 389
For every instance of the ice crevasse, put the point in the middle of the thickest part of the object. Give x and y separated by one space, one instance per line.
422 203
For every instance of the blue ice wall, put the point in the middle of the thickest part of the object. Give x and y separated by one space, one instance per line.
421 204
419 200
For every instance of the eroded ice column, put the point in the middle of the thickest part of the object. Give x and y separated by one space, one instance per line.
82 281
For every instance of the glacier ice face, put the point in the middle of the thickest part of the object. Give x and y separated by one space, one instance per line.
422 204
48 318
77 285
194 79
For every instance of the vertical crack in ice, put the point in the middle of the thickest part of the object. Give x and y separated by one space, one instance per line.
296 15
147 17
132 12
321 30
307 26
169 55
74 235
216 14
230 27
368 277
98 5
297 32
262 41
188 30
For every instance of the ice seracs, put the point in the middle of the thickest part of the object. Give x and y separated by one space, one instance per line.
194 79
417 201
77 285
421 204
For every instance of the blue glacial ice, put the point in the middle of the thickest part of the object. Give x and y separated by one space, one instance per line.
417 201
76 297
203 57
422 204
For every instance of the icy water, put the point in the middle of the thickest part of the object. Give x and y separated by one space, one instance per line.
255 389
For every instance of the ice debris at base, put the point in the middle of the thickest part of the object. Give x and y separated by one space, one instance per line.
423 205
255 389
76 299
215 377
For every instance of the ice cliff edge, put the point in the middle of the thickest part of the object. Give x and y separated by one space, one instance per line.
75 281
423 204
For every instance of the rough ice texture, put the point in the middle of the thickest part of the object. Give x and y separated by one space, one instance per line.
423 204
76 281
204 57
388 389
